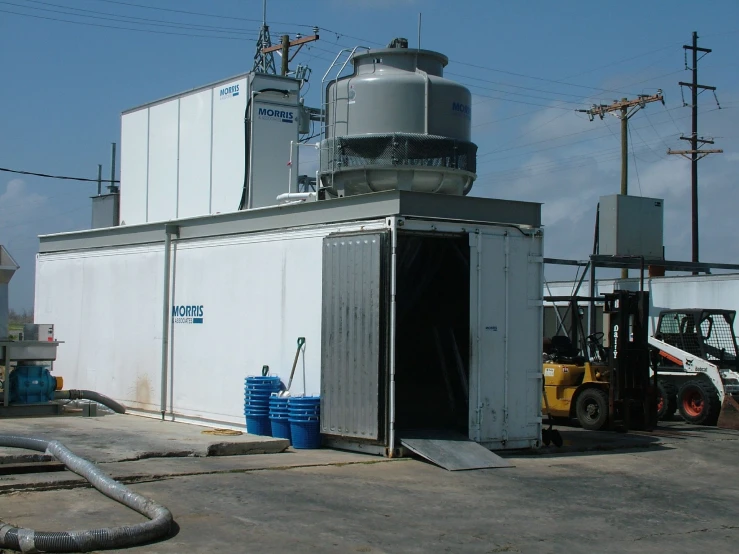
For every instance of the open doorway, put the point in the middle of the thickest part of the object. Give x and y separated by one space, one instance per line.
432 332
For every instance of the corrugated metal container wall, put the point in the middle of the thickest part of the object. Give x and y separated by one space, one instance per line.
354 297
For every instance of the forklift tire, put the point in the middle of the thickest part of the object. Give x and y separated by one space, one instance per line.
591 409
666 400
698 402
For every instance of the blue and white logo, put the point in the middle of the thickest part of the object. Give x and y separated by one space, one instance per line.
187 314
462 109
229 91
286 116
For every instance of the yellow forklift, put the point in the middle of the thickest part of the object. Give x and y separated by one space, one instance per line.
603 387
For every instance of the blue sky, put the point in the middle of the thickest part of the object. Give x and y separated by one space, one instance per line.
529 65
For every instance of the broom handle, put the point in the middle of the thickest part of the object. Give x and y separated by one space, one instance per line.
301 343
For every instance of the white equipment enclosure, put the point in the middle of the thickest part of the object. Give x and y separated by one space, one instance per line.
421 312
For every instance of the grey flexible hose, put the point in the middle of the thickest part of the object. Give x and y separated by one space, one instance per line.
28 540
90 395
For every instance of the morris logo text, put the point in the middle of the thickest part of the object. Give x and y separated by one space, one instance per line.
462 109
187 314
229 92
276 115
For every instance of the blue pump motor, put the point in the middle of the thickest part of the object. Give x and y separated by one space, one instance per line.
30 384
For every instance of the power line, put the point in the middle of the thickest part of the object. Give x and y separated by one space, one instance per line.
202 14
129 19
150 31
567 94
552 147
536 78
55 176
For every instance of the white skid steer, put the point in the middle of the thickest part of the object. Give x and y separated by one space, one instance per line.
695 357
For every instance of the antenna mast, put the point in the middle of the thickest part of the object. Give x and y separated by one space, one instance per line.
264 62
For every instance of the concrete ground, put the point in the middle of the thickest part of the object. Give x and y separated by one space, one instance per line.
675 490
120 438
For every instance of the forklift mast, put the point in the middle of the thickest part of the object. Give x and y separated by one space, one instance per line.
632 398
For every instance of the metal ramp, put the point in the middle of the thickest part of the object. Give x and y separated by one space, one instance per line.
451 450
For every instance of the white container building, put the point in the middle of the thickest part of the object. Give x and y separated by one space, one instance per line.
370 281
421 312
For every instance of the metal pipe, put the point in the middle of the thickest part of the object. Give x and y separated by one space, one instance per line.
393 323
425 100
478 338
591 292
169 230
249 192
112 170
290 171
505 339
419 30
295 196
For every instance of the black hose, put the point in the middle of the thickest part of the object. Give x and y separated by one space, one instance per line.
29 540
90 395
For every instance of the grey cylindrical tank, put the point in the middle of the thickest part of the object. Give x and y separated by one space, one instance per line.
396 90
396 122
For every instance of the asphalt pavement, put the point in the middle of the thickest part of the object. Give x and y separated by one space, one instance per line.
675 492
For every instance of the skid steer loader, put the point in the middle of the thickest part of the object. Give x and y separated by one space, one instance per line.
694 354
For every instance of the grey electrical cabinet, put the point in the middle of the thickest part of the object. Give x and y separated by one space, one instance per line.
105 210
631 226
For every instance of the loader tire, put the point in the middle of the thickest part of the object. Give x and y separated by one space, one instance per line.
591 409
698 402
666 399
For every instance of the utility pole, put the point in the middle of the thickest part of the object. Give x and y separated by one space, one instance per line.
264 63
624 109
286 44
285 54
100 179
694 152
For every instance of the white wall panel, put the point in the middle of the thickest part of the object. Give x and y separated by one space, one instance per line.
163 140
106 307
255 305
134 160
716 291
259 293
194 156
228 147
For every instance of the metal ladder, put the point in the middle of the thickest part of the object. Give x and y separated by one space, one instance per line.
340 61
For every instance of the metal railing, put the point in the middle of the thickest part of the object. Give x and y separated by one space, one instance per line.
329 104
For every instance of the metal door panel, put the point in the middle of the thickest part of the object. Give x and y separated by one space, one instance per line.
353 346
506 327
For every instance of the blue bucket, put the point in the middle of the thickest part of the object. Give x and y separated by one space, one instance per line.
305 428
262 379
281 428
258 425
305 434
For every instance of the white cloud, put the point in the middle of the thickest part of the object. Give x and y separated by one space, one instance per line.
568 175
